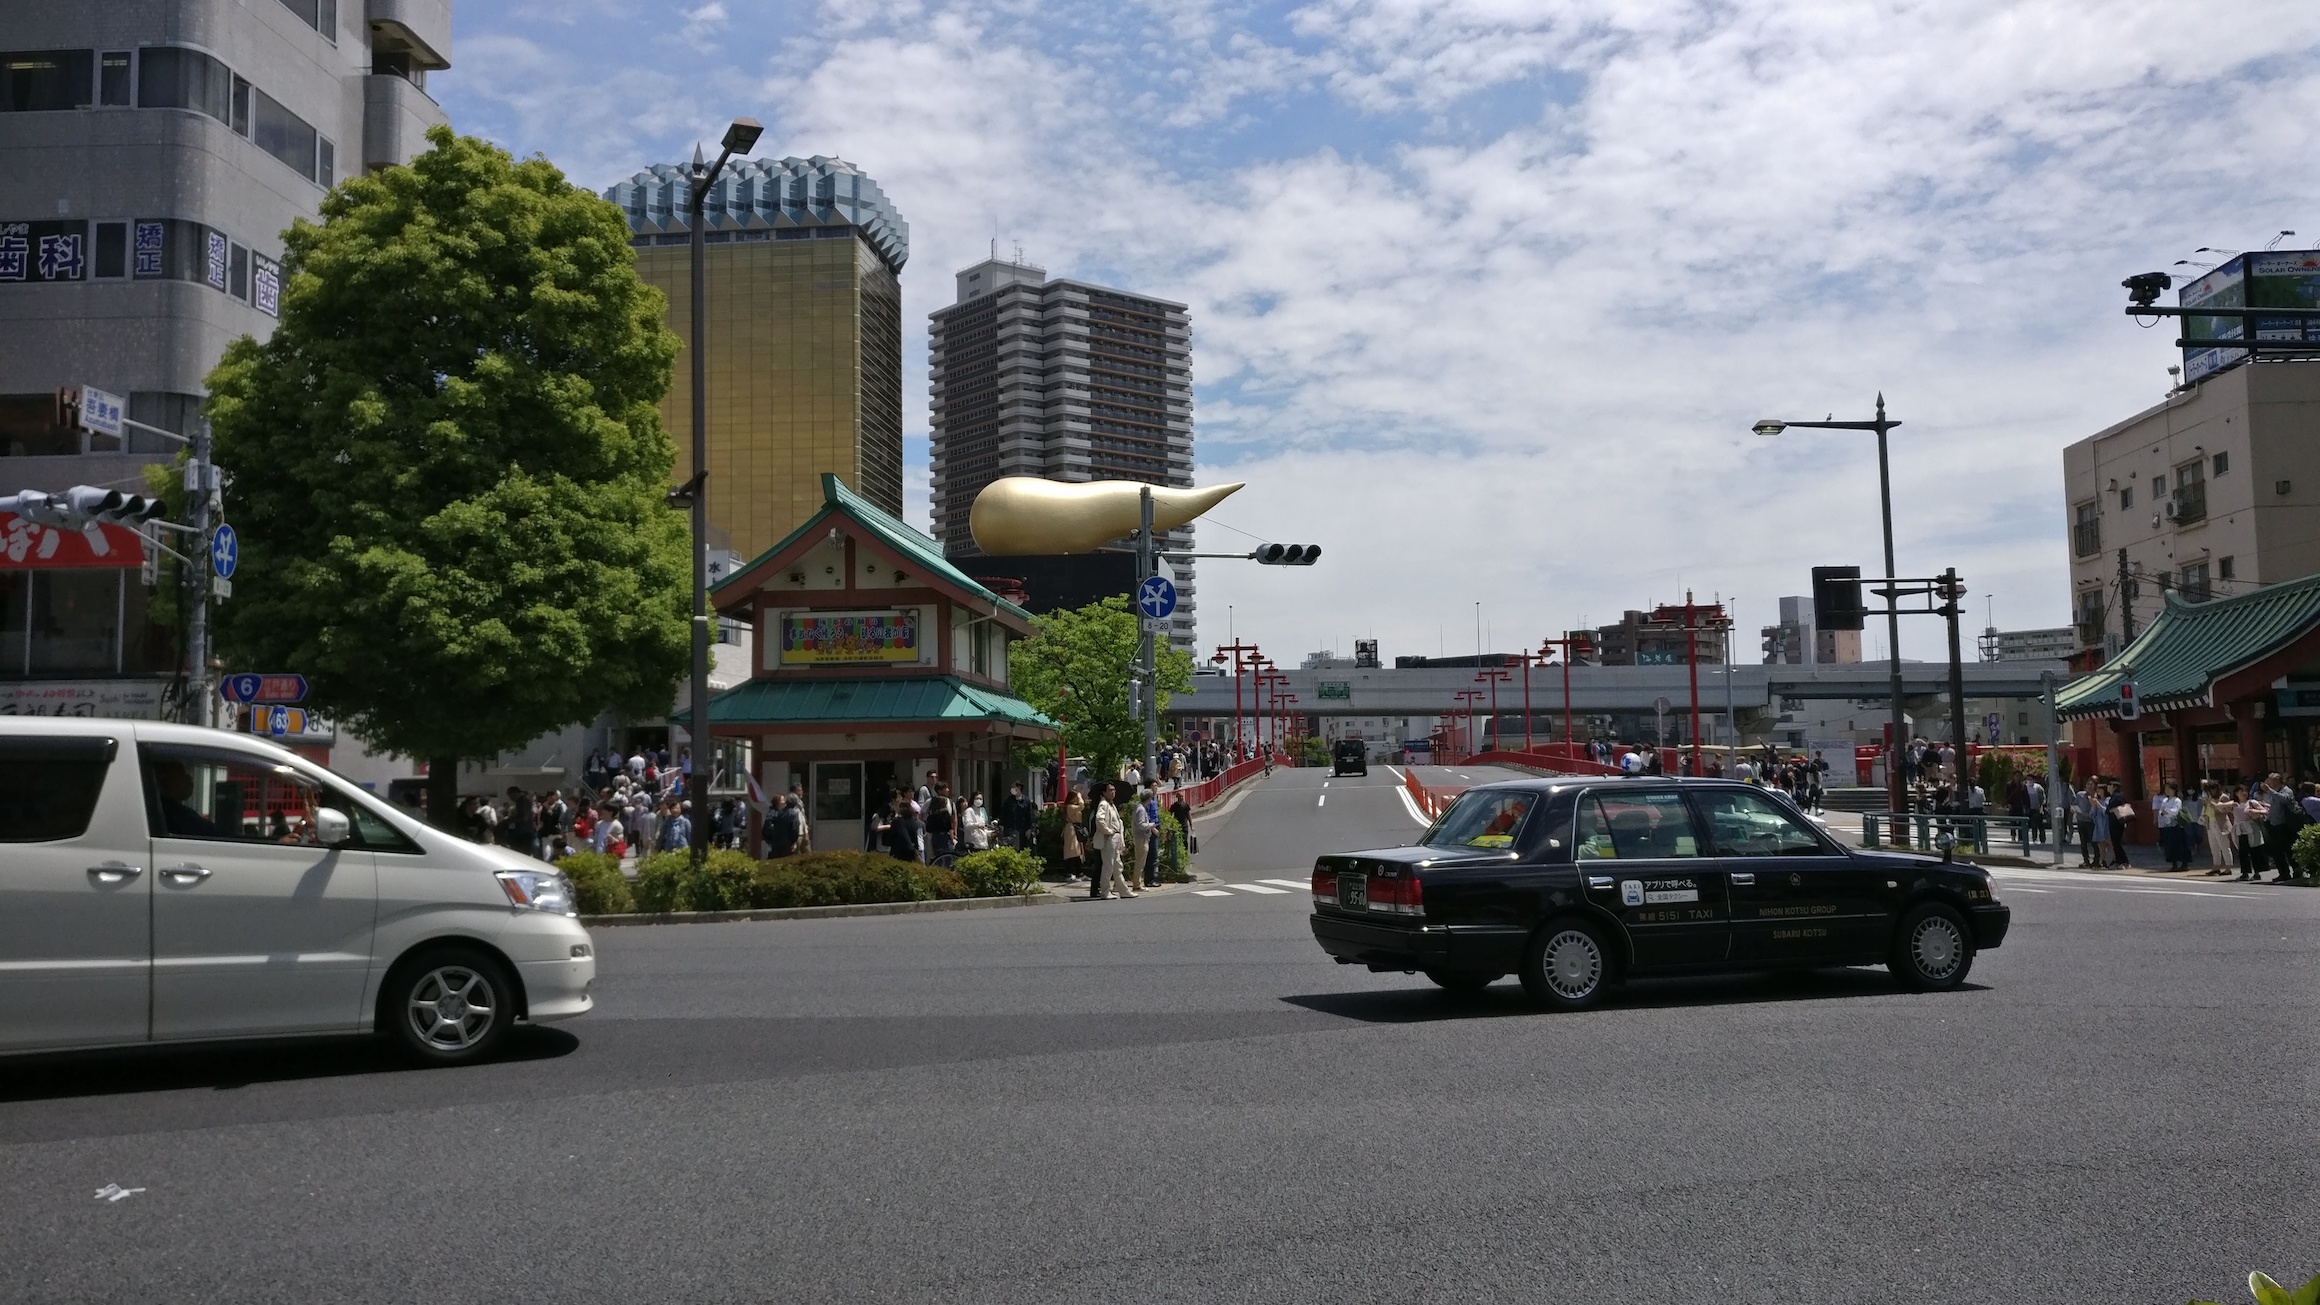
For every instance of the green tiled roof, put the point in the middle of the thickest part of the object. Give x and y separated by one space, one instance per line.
795 700
2191 645
890 530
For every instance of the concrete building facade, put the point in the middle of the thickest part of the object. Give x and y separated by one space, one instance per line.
1062 379
2210 493
803 271
152 153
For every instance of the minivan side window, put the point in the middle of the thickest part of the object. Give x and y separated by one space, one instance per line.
1741 823
221 793
49 786
1627 826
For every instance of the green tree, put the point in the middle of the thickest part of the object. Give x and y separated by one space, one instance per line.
448 464
1092 651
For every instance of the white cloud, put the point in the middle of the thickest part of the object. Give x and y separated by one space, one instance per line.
1518 366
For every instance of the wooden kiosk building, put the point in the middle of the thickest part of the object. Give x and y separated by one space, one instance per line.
876 664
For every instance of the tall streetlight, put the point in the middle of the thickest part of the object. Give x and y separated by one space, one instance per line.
1466 699
740 138
1495 678
1892 608
1571 646
1236 649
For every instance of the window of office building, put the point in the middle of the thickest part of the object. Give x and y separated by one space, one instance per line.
282 133
321 15
171 78
112 251
113 85
34 81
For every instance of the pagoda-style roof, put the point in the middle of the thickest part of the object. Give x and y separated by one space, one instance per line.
928 700
899 537
2201 654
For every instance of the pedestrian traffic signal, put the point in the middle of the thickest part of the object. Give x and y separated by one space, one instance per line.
1836 594
1286 554
83 506
2129 708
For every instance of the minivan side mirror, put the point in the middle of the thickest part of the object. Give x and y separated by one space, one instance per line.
331 828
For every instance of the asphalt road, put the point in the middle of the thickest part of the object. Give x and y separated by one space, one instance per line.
1180 1099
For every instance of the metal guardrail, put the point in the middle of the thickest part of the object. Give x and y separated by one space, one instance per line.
1924 830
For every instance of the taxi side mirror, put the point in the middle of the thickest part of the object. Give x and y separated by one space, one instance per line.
332 829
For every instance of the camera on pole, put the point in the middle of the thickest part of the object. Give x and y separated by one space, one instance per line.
1286 554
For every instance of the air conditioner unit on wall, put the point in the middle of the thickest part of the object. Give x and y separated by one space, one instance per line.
2173 509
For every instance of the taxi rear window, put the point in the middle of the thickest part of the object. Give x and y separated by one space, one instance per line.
1481 818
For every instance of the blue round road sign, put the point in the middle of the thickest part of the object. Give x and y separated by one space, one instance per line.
1156 597
224 552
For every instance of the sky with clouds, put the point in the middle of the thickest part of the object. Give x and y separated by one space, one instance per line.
1486 294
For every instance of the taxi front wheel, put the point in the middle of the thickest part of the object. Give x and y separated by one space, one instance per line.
1567 965
1932 950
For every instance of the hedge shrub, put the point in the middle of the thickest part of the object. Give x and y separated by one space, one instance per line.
1000 872
849 879
666 881
598 887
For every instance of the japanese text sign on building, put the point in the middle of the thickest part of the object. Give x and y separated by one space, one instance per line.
833 638
101 411
216 268
43 251
148 249
26 545
266 285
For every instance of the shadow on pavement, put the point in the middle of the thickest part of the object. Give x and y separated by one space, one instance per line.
228 1065
1504 999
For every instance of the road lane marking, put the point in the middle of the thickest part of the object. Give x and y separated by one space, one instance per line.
1410 805
1210 892
1321 801
1257 888
1286 883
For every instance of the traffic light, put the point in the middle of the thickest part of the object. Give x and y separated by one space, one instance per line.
1836 594
83 506
1286 554
2129 708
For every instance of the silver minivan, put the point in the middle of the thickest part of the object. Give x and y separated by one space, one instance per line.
170 883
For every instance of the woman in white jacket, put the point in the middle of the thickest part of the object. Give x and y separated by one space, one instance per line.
1108 841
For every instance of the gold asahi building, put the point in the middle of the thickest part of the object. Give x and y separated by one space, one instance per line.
804 335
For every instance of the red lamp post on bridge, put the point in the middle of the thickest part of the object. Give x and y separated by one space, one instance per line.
1572 646
1289 721
1493 678
1237 649
1466 699
1272 677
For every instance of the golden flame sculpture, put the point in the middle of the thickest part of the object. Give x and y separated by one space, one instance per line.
1019 515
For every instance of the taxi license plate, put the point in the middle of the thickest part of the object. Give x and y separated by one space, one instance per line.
1353 892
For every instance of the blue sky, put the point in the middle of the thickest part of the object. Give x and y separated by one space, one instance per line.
1486 293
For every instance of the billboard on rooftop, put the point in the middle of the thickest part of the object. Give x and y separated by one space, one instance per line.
2268 278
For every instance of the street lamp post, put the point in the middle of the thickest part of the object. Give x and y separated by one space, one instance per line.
1527 659
1466 699
740 138
1494 677
1569 645
1236 649
1892 607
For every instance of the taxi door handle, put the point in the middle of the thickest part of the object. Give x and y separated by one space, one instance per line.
1744 877
114 872
189 873
1599 881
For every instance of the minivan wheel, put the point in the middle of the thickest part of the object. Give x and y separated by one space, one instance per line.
1932 950
1567 965
448 1006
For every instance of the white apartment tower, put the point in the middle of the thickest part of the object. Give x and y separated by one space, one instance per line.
1061 379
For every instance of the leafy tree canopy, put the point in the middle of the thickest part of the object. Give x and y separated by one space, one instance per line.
1093 651
448 465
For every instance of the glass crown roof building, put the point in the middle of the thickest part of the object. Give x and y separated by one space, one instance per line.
790 198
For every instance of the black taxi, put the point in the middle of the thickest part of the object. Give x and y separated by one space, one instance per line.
1574 884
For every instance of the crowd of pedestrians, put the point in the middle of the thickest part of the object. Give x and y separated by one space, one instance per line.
1118 854
2243 829
929 823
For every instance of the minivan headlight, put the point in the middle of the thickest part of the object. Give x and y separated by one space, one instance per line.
538 890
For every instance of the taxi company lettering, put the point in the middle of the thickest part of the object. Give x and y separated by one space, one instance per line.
1656 892
825 637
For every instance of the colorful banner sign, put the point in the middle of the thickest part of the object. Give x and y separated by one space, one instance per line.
837 638
25 545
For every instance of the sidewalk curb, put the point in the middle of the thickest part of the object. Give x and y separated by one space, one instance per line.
820 912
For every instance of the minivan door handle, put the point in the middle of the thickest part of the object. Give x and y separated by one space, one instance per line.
1744 877
115 872
188 872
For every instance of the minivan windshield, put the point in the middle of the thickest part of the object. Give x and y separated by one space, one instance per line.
1481 818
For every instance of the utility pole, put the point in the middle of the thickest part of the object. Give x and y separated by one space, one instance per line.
2126 599
1147 657
2047 684
200 480
1953 592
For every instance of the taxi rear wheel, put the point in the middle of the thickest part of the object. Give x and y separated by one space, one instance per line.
1932 950
1567 965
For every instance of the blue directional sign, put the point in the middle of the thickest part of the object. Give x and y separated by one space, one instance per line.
224 552
262 689
1156 597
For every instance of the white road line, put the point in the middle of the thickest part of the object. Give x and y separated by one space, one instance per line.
1210 892
1287 883
1410 805
1321 801
1257 888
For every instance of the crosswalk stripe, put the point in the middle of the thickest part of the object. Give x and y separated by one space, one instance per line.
1210 892
1256 888
1285 883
